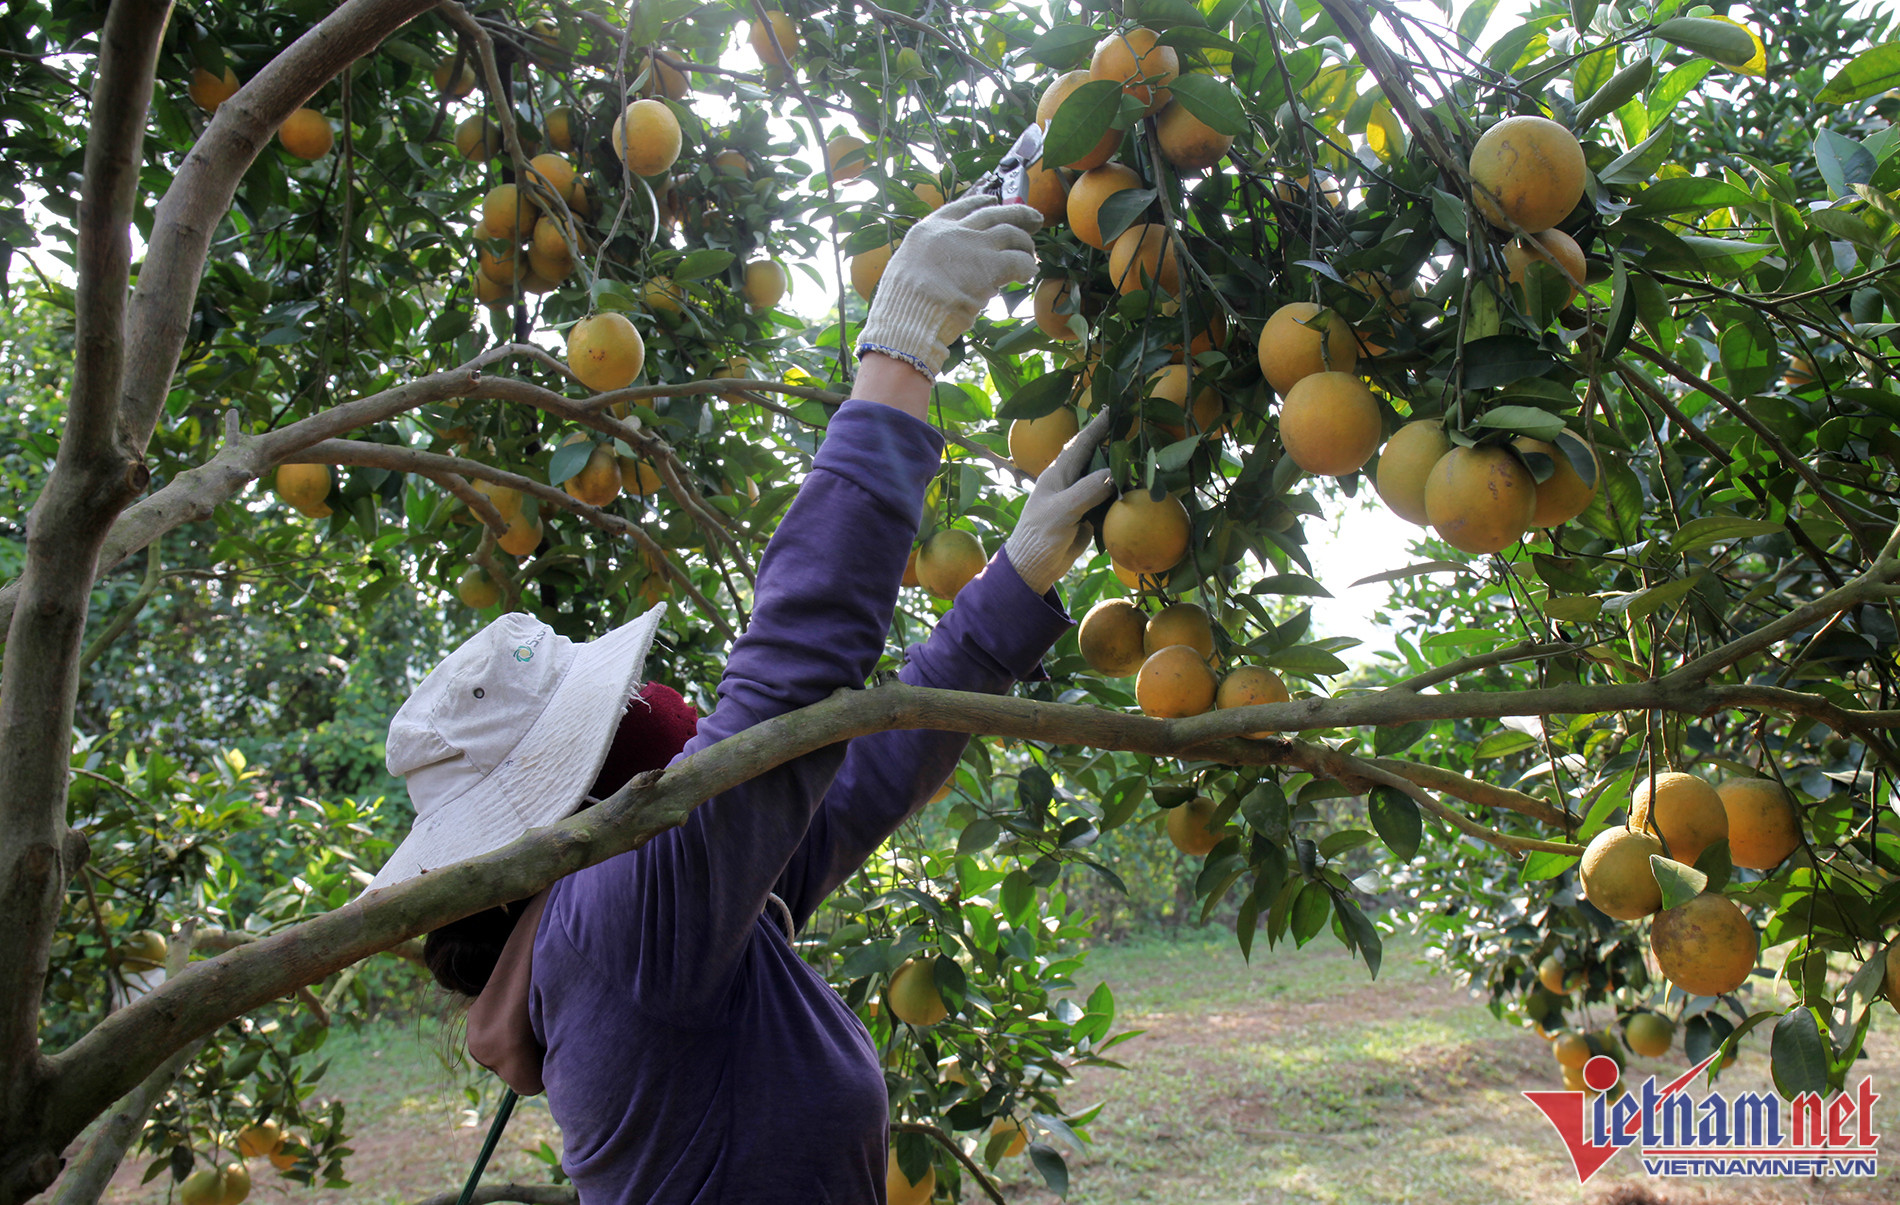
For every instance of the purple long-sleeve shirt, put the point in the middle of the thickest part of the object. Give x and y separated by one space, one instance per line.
691 1055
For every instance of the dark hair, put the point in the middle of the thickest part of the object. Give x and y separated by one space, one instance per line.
462 954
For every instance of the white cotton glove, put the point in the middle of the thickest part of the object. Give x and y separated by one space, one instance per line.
1051 533
945 271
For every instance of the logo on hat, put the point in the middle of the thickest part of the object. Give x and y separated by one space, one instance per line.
524 653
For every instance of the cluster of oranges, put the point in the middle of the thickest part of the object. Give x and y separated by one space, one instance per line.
1172 657
231 1183
305 133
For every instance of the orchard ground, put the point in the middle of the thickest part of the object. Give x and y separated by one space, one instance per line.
1294 1079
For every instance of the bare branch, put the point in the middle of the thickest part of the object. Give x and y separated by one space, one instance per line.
526 1194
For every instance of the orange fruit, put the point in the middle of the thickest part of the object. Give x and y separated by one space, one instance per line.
1214 336
1034 442
306 134
1479 500
1110 637
1140 581
1050 293
762 35
910 570
1562 496
639 478
477 590
913 994
1649 1034
1616 874
1550 973
1134 56
605 351
551 269
508 214
1143 257
664 77
208 91
1052 99
555 173
900 1189
477 139
1406 463
1572 1050
1048 193
1190 827
1146 536
1330 423
835 152
598 482
1091 188
1290 348
867 268
661 294
1705 946
303 486
1534 167
1186 142
562 122
930 194
1684 809
461 84
733 162
505 499
1170 384
500 264
647 138
1180 623
1552 247
1248 686
259 1139
949 561
551 238
1174 682
1018 1139
1763 825
764 284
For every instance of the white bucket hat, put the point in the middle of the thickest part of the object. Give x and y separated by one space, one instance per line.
507 734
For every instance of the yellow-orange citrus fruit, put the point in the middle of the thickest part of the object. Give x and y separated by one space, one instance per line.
1034 442
1018 1138
1048 294
949 561
303 486
551 238
1479 499
281 1158
1143 256
1563 495
734 162
1215 335
1187 142
1550 973
1573 1080
762 35
144 950
523 535
553 269
461 84
580 202
1291 349
1110 637
661 294
605 351
930 194
1140 581
1052 98
1048 194
1146 536
1180 623
234 1183
913 994
562 122
647 137
508 213
1170 384
1191 828
1092 188
867 268
1330 424
1406 463
1133 56
1763 825
208 91
501 264
490 291
1552 247
764 284
900 1189
261 1139
598 482
1893 975
1302 189
1572 1050
664 77
639 478
1174 682
477 139
835 152
505 499
477 590
1535 169
1684 809
1616 874
306 134
910 570
1649 1034
556 171
1249 686
1800 373
1705 946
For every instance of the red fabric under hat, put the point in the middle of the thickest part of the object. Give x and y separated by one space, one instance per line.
656 727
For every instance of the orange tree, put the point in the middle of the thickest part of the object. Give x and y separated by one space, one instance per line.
491 296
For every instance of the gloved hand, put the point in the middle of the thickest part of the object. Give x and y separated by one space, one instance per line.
945 271
1051 533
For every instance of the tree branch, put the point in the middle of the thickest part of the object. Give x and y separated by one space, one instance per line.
526 1194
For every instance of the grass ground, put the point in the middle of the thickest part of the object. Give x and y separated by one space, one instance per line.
1294 1079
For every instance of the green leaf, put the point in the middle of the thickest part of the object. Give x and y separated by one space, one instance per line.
1731 257
1798 1054
1018 898
707 261
1048 1161
1212 103
1310 911
1680 81
1307 658
1871 73
1713 529
1044 395
1501 359
1449 211
1727 44
1843 162
1334 844
977 835
1081 121
1618 91
1686 193
1679 883
1622 320
1065 46
568 460
1291 583
1174 457
1581 609
1120 210
1525 420
1395 817
1503 743
1714 861
1634 607
1160 14
1640 162
1544 864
